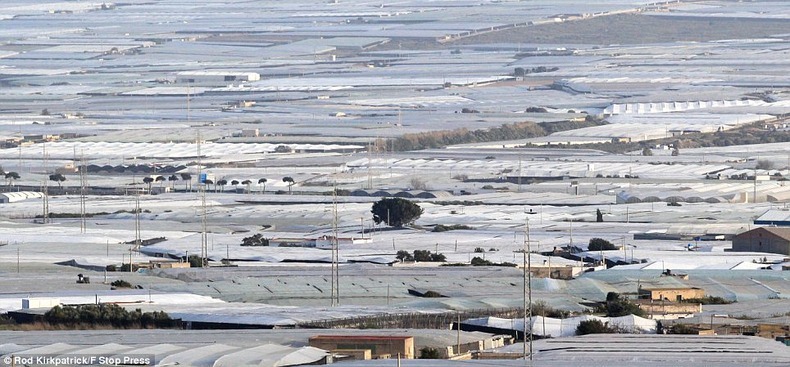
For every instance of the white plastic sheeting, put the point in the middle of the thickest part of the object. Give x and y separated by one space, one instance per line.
271 355
551 327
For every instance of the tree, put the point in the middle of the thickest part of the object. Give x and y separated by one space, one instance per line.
617 306
647 152
221 183
10 177
395 212
404 255
764 164
262 181
187 178
160 179
208 182
598 215
57 177
600 244
173 178
234 182
247 183
148 180
290 181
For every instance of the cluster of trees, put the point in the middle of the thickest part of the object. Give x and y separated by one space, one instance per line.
107 315
520 130
395 212
538 69
255 240
420 255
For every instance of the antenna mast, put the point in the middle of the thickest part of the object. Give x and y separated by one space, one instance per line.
45 198
527 292
203 212
83 168
335 252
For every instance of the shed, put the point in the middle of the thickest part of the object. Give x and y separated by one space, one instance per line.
774 240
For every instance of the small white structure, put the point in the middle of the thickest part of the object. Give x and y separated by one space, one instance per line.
12 197
28 303
325 242
215 77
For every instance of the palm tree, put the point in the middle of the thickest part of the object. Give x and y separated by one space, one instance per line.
187 178
148 180
247 183
263 181
208 182
221 183
160 179
290 182
173 178
11 176
57 178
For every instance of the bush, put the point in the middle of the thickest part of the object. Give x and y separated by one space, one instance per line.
120 283
444 228
107 315
683 329
429 353
594 327
708 300
600 244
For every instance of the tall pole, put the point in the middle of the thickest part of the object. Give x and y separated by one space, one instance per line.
529 289
137 237
335 253
83 168
45 196
204 213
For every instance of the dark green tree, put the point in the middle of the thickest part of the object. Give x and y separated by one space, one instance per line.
600 244
148 180
290 181
598 215
263 181
395 212
187 178
57 177
173 178
221 183
11 177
